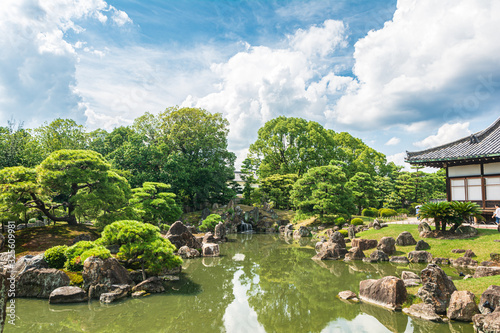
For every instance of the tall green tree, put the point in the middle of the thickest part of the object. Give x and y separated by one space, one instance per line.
61 134
291 146
322 190
155 203
277 188
363 190
77 182
18 147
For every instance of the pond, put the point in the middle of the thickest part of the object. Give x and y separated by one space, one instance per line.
260 283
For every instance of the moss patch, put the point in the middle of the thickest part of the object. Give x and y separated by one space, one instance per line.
75 278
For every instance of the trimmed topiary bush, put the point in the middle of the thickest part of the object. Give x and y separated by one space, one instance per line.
339 221
74 264
56 256
402 211
370 212
210 222
387 212
77 249
357 221
97 251
344 232
78 253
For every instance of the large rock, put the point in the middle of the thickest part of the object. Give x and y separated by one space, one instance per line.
441 261
464 262
469 254
208 238
437 288
405 239
117 292
487 323
389 292
462 306
424 227
491 296
188 253
152 285
302 232
100 275
330 251
466 230
422 245
351 232
220 231
179 235
40 283
336 237
210 250
29 262
364 244
377 256
67 295
388 245
354 253
423 311
482 271
348 295
419 257
405 275
399 260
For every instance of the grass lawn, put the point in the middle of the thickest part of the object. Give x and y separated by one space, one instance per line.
482 245
36 240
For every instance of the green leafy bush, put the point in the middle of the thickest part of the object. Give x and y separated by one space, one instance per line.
74 264
141 242
402 211
339 221
97 251
344 232
387 212
56 256
357 221
210 222
77 249
370 212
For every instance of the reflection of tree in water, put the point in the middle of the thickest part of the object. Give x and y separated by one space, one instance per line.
294 294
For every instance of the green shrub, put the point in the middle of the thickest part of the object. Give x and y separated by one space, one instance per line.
56 256
32 220
339 221
402 211
97 251
77 249
74 264
210 222
164 227
370 212
142 242
343 232
387 212
357 221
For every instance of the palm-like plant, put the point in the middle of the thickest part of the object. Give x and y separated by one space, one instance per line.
441 212
463 210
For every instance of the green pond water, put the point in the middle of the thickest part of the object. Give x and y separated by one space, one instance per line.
260 283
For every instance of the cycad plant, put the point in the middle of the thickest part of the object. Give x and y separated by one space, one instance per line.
444 212
463 211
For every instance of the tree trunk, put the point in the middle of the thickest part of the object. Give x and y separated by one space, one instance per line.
143 272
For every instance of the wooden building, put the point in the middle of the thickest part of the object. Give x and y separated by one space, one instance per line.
472 166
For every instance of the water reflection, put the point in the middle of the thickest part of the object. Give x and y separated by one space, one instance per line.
259 284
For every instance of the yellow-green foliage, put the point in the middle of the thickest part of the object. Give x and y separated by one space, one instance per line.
357 221
210 222
56 256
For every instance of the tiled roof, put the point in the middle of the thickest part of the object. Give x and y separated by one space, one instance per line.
485 143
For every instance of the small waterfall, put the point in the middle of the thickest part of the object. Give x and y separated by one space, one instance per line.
246 227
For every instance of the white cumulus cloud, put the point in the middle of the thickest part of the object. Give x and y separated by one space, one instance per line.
446 133
393 141
434 60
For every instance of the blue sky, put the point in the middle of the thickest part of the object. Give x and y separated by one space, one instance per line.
401 75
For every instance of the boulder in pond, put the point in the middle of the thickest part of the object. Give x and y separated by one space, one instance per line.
419 257
464 262
405 239
437 288
348 295
422 245
302 232
482 271
40 283
487 323
151 285
179 235
99 275
423 311
405 275
330 251
187 253
462 306
354 253
117 292
336 237
388 245
399 260
220 231
364 244
491 298
210 250
389 292
28 262
377 256
441 261
68 294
